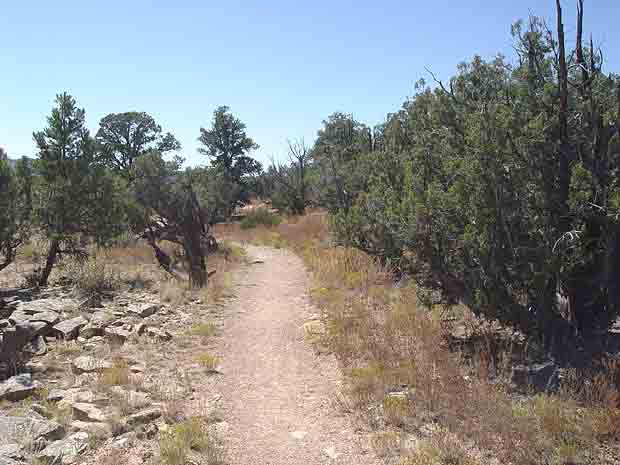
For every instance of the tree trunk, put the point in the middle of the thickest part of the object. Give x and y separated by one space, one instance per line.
564 162
193 228
52 254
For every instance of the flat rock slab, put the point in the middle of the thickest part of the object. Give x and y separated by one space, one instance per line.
87 412
18 387
145 416
50 317
69 329
44 305
117 334
157 333
144 310
89 364
59 451
10 453
16 429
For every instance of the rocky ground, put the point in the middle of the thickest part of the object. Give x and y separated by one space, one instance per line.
133 379
101 378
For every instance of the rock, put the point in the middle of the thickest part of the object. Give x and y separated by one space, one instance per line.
88 364
10 454
56 395
540 376
331 452
117 334
135 399
16 429
32 329
44 305
69 329
60 451
18 387
4 324
299 434
91 427
87 412
157 333
140 328
49 317
37 346
144 310
145 416
18 317
94 301
96 326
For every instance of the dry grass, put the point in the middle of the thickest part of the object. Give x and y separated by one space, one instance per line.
391 340
205 330
187 440
93 276
174 292
208 361
117 375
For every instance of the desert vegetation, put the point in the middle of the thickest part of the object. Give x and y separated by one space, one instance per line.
464 262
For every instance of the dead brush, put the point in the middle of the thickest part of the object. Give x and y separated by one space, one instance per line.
93 276
174 292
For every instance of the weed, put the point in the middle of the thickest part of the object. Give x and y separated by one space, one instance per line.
395 409
210 362
185 439
206 329
173 291
93 276
117 375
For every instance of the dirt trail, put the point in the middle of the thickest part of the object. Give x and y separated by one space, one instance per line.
277 395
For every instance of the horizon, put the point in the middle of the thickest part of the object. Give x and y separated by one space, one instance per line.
281 69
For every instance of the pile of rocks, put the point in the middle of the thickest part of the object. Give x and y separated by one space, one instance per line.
27 326
35 434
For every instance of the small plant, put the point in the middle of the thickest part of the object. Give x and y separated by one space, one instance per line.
395 409
173 292
93 276
210 362
386 443
185 439
207 329
67 348
260 216
117 375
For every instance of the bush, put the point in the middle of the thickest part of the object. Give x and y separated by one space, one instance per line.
260 216
93 276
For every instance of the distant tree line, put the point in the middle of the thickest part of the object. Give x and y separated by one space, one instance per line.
82 188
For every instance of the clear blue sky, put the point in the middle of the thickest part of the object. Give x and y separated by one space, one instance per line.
281 66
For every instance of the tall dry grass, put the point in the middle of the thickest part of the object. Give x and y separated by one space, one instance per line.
389 341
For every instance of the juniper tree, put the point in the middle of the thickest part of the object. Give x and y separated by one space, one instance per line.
74 195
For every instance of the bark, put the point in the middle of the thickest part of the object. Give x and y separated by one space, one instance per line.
192 242
564 162
52 255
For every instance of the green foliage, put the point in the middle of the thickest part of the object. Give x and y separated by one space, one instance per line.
123 137
464 185
73 195
227 146
260 216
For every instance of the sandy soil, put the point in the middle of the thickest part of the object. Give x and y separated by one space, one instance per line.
277 394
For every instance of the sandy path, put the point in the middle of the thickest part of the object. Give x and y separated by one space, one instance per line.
276 393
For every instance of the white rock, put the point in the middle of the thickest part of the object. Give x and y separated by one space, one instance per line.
299 434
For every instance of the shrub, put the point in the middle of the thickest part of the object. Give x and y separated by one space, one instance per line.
185 438
206 329
210 362
117 375
93 276
260 216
